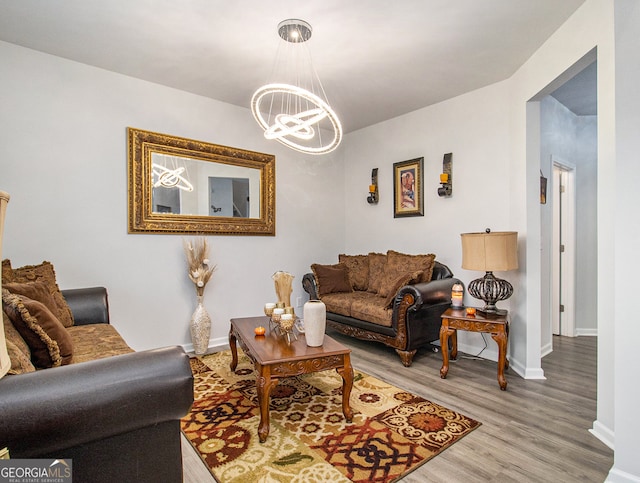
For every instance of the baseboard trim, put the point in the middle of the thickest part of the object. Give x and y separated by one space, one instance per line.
604 434
619 476
215 345
526 372
587 332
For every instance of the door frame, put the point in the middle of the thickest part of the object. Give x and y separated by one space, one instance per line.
563 268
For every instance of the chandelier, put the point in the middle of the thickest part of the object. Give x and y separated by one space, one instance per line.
296 111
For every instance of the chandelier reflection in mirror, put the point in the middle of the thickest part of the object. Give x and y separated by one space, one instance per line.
296 111
173 176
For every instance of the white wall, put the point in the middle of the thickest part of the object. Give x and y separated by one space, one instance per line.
63 159
474 127
626 198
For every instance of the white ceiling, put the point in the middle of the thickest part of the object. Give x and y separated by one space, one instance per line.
377 59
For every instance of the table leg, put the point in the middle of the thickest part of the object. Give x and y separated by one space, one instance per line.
454 344
445 332
346 371
234 350
501 340
264 383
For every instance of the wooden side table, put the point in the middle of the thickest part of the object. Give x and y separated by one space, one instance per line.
457 319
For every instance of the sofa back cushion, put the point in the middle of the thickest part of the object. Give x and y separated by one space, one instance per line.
331 278
401 262
401 267
377 262
358 268
48 340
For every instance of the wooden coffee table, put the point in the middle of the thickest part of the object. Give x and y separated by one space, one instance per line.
273 359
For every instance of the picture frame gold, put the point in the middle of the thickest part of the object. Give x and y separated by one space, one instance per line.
408 188
199 166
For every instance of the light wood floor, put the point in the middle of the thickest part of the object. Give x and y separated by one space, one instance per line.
535 431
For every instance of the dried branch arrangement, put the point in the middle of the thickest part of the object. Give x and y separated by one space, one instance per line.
200 269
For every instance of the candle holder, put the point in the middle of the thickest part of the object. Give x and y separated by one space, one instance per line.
274 321
268 309
372 199
446 181
286 327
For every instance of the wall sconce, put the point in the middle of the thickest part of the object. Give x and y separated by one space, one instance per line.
373 187
445 178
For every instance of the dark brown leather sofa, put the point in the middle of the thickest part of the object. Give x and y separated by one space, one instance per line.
415 319
117 418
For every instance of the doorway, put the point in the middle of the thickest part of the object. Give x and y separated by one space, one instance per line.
568 156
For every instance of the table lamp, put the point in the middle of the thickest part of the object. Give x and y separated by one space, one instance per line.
490 252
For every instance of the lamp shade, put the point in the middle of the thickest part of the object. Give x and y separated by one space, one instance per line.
490 252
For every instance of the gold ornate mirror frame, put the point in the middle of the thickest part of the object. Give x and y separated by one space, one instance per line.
205 163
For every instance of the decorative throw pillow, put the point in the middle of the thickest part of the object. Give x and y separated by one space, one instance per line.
377 262
358 268
401 281
40 273
401 262
12 335
48 340
7 272
35 291
331 278
20 363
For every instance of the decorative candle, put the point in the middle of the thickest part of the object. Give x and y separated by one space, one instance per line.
277 313
444 178
457 292
268 308
372 188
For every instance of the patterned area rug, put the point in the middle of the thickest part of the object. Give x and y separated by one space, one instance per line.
392 433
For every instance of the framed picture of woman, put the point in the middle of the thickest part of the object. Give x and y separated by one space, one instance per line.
408 197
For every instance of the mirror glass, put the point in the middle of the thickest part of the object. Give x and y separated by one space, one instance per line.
180 185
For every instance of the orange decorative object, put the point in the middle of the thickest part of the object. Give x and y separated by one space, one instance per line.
260 330
471 311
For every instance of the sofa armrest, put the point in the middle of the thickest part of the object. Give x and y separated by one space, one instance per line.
309 286
428 293
88 305
49 410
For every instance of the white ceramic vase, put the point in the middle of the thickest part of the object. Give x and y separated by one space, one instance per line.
200 328
315 322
